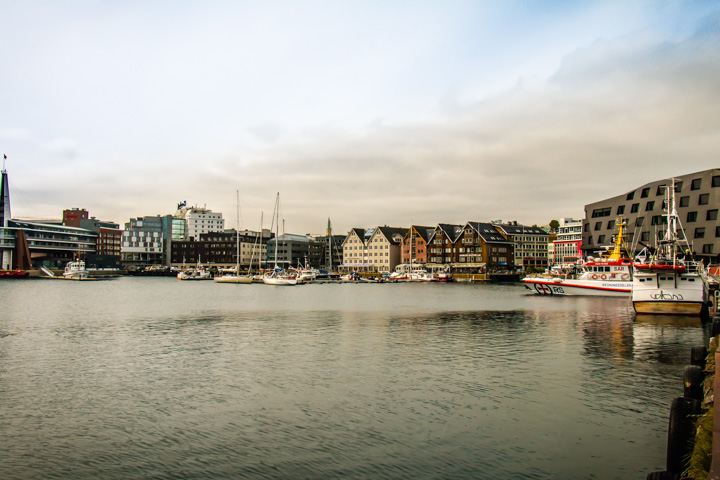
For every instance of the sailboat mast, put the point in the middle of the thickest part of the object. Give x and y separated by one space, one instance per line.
237 234
329 248
277 225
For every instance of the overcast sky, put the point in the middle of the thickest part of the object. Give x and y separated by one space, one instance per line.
370 113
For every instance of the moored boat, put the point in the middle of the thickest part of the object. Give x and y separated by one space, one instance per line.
232 275
75 270
195 273
14 273
667 279
608 276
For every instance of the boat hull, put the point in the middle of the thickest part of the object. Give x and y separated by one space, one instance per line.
14 273
233 279
279 281
669 308
578 287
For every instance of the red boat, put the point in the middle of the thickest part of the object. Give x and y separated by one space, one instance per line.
14 273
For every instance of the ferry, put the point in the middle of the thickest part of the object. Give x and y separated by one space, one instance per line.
609 275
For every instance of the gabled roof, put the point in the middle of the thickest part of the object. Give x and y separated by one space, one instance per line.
360 232
424 232
449 230
488 233
394 235
517 229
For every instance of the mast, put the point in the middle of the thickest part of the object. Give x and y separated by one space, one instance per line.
277 226
328 232
237 235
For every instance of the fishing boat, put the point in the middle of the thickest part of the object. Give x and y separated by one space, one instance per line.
609 275
195 273
278 276
666 277
235 277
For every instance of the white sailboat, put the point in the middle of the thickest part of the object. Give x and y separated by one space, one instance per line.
666 278
278 276
236 278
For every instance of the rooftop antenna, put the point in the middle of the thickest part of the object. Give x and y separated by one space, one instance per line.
4 158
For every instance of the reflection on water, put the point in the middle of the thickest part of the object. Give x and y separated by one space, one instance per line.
147 377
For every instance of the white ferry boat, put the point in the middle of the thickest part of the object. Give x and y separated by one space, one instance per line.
666 279
605 276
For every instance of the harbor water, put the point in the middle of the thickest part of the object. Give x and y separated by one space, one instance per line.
154 378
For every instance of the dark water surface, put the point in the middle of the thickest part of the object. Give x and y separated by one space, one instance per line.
155 378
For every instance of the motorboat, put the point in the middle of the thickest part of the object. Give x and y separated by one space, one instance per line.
609 275
75 270
666 277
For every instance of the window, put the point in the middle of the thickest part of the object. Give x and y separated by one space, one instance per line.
717 231
711 215
658 220
678 187
704 199
630 196
708 248
645 236
601 212
716 181
645 192
660 190
692 217
695 185
639 221
634 208
649 206
601 239
700 232
598 226
684 201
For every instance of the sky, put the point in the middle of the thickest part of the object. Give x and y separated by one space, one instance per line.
368 113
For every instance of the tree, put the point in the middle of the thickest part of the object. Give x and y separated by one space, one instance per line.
554 225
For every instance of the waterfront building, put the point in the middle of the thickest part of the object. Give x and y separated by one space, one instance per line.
383 248
219 249
146 241
415 244
50 244
196 221
108 238
531 244
293 250
567 248
443 244
481 248
697 199
355 251
326 251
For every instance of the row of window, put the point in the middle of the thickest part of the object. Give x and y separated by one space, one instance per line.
710 215
695 184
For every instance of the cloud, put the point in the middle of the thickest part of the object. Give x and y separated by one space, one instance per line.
616 113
